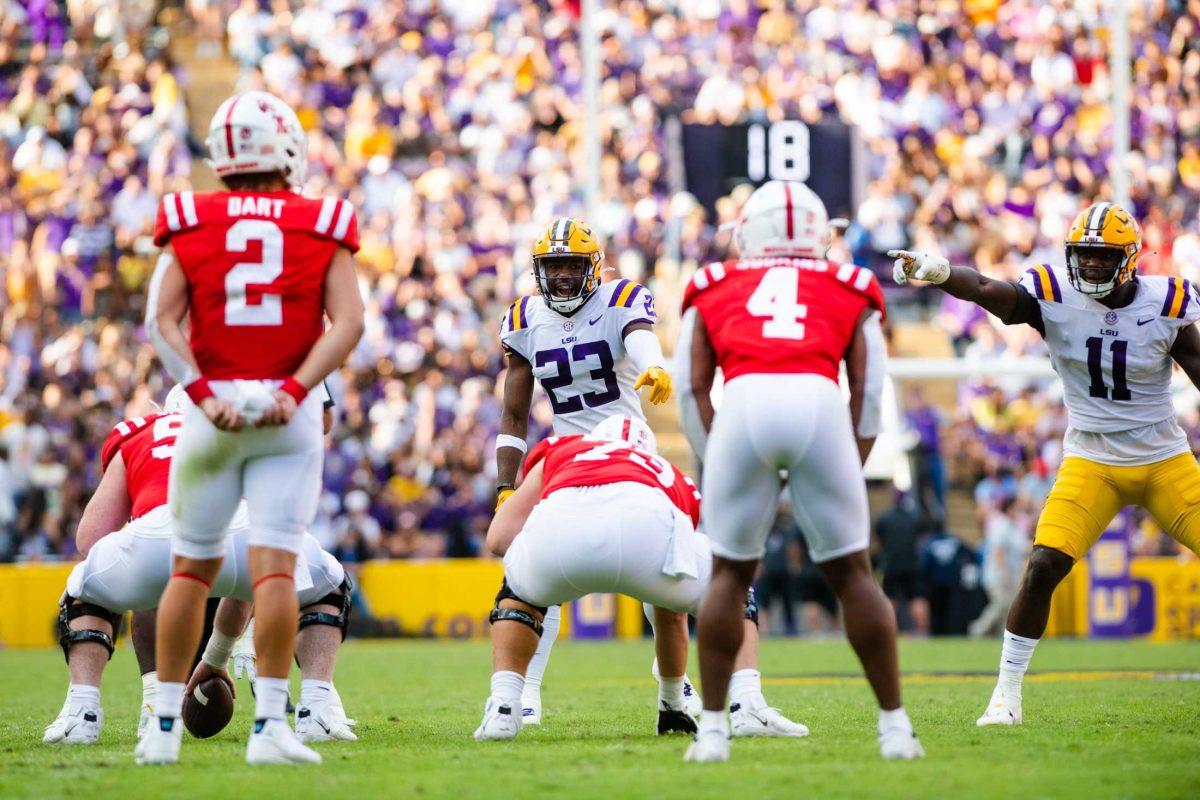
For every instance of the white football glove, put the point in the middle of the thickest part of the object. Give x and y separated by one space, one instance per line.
919 265
243 656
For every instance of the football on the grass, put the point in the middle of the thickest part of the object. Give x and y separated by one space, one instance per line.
208 708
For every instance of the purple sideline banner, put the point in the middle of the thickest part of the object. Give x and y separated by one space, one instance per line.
1109 596
594 616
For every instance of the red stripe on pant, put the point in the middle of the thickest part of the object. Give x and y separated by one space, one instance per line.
270 576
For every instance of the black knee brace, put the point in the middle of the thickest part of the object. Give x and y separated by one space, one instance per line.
69 609
515 614
342 600
752 606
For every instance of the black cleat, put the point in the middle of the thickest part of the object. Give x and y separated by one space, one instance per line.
671 720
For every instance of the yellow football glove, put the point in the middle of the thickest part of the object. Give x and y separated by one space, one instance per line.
659 381
503 494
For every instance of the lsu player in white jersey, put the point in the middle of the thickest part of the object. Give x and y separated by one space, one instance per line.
1112 336
591 346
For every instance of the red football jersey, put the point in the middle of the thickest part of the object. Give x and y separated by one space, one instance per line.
579 460
255 265
146 445
789 315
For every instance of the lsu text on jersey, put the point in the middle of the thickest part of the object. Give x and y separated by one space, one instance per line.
1123 445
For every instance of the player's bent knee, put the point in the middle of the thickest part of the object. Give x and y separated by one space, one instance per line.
1046 569
289 540
333 609
70 609
508 609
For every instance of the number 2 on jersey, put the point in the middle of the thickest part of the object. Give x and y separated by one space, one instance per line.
775 297
269 309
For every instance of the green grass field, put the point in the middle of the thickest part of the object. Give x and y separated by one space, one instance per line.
1103 720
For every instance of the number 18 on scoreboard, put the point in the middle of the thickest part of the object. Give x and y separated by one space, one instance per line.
827 156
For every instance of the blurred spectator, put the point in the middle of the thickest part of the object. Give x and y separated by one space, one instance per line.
951 574
898 530
1004 548
781 565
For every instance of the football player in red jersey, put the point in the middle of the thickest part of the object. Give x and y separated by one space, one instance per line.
125 534
258 268
779 322
603 512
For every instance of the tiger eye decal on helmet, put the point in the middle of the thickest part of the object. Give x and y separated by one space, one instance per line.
567 259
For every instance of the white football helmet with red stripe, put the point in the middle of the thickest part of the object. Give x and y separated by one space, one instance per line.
782 218
257 132
620 428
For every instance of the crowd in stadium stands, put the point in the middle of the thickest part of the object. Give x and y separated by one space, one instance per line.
455 129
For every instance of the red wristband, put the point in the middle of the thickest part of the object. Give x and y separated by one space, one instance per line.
295 389
199 390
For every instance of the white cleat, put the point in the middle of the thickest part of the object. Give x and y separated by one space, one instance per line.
160 746
1003 709
500 721
692 703
900 744
76 724
747 721
531 705
710 747
277 743
323 724
145 719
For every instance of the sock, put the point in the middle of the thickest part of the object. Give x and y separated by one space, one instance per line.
335 699
670 692
270 698
149 685
83 694
541 657
315 693
745 688
168 700
507 686
1014 660
717 721
896 718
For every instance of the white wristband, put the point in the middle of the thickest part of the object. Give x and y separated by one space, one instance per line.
216 652
508 440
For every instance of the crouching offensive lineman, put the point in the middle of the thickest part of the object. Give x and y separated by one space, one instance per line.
604 513
127 569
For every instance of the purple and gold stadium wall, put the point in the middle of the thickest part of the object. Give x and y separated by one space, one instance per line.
1110 594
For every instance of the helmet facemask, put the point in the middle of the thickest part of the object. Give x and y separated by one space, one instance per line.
1096 270
566 281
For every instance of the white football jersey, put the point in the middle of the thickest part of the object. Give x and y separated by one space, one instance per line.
580 359
1115 364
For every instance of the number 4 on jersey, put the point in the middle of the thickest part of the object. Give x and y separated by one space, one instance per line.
775 297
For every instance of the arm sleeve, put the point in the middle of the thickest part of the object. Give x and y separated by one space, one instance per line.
175 364
1027 311
689 414
644 349
869 421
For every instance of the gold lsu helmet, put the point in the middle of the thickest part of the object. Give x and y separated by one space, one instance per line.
572 251
1107 231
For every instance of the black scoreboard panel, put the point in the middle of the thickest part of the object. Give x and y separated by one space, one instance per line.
719 157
